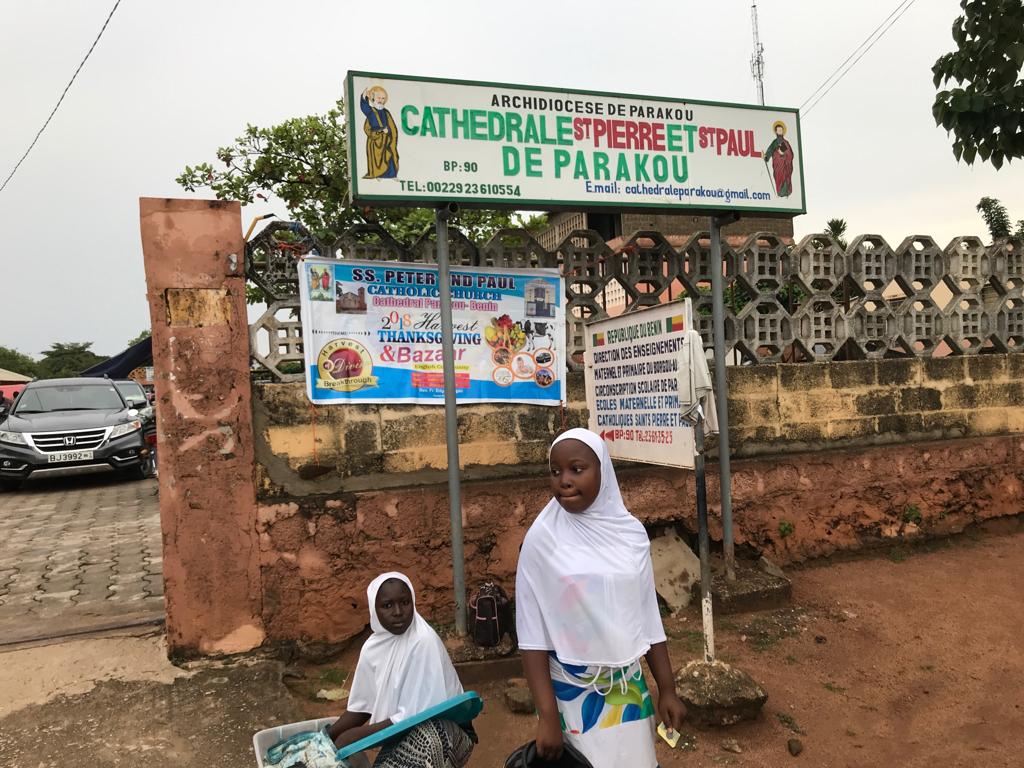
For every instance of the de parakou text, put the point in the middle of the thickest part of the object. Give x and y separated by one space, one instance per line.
583 146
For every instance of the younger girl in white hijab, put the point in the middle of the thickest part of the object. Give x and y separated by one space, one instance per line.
403 669
587 612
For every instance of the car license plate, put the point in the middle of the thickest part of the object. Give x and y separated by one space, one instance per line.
63 456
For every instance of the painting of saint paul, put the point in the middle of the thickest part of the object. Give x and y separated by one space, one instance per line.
780 153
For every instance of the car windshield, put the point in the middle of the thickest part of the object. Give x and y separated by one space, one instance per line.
131 391
69 397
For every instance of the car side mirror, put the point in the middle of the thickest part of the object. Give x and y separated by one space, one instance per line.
3 411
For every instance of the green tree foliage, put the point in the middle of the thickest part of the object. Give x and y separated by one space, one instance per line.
836 228
62 360
535 222
142 335
733 297
15 361
304 162
997 219
985 111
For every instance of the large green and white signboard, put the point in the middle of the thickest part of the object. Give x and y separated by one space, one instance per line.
418 141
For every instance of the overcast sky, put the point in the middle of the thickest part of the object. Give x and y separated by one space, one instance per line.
171 81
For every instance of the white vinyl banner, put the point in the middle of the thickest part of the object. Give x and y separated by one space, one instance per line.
632 379
414 141
371 333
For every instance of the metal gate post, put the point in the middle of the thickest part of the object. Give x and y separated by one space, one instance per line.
722 392
451 419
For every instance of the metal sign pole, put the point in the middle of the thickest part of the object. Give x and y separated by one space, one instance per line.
451 422
703 543
722 391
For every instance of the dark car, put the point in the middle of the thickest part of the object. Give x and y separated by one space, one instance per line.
71 426
136 396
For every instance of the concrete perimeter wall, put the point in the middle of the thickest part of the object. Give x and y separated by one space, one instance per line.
842 452
276 514
773 409
786 408
317 553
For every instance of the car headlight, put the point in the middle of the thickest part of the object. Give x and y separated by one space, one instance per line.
12 437
123 429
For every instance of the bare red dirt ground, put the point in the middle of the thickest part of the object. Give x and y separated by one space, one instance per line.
910 658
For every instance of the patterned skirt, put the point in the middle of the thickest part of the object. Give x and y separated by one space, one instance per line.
434 744
607 713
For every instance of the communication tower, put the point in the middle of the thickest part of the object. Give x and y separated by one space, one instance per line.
757 60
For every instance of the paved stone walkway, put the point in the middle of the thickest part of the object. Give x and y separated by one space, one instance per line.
78 553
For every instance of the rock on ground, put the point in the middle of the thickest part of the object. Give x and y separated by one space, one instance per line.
771 568
676 569
731 745
463 649
518 697
716 693
332 694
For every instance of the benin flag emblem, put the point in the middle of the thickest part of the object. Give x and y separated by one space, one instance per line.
598 339
674 323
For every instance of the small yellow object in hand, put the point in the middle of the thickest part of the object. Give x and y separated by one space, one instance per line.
670 735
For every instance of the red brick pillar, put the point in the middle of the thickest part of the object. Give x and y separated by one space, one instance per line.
193 251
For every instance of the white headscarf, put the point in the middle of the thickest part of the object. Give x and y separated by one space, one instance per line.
585 583
399 676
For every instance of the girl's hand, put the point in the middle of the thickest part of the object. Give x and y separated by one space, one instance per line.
345 738
549 738
671 710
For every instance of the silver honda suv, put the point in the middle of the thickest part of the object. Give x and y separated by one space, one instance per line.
71 426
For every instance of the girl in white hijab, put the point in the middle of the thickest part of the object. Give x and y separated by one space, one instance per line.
587 612
403 669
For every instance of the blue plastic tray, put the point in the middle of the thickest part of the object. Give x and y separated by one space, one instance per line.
460 710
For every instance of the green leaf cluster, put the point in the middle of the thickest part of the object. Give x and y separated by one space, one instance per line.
304 162
734 298
985 109
142 335
70 359
18 362
534 222
997 219
836 229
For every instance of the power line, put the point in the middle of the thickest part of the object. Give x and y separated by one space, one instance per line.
861 56
854 53
852 65
65 93
898 12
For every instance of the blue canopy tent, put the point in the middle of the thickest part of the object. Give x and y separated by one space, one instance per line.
120 365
